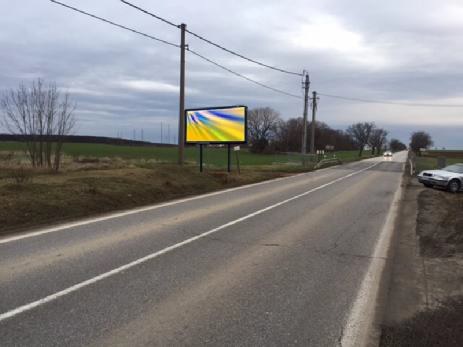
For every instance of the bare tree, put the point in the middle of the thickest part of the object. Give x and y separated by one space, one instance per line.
360 133
43 117
262 125
377 140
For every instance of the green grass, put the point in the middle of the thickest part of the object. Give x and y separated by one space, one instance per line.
444 153
212 156
112 177
430 163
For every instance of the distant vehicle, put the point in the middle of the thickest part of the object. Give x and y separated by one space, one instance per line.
450 177
387 154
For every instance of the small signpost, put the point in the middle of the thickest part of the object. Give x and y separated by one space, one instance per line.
225 125
236 149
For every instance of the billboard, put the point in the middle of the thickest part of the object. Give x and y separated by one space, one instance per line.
216 125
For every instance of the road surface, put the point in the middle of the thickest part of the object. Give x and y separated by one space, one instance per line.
284 262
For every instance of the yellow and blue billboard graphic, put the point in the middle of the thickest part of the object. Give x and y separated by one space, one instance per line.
216 125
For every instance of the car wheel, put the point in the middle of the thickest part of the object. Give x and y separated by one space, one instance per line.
453 186
429 185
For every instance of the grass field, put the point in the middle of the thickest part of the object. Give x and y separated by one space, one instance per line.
430 163
212 156
99 178
444 153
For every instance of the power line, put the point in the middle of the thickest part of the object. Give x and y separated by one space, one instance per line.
178 46
242 76
150 14
213 43
242 56
371 101
115 24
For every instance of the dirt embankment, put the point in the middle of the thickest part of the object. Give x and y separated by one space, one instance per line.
440 223
425 300
41 198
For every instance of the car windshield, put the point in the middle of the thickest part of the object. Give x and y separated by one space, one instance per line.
454 168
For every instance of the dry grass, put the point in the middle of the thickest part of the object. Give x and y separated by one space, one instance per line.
89 187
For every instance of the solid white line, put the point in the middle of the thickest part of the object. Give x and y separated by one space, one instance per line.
360 323
139 210
146 208
102 276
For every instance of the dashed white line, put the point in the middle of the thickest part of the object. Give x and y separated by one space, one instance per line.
151 256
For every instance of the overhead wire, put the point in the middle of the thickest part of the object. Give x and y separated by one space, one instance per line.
178 46
340 97
151 14
242 56
116 24
243 76
200 37
385 102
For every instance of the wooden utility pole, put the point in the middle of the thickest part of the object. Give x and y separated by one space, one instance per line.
306 85
181 120
312 135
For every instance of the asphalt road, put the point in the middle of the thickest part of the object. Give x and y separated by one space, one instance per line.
272 264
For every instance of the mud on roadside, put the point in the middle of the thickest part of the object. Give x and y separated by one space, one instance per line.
425 299
440 223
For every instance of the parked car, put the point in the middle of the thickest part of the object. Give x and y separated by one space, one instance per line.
387 154
450 177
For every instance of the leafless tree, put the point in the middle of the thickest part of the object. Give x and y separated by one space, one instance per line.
377 140
262 124
42 116
360 133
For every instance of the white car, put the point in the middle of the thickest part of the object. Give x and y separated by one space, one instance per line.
450 177
387 154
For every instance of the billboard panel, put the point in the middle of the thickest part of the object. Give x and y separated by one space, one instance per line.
216 125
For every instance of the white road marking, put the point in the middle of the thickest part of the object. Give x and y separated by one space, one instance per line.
102 276
138 210
359 325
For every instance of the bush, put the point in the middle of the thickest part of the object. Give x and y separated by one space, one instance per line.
21 175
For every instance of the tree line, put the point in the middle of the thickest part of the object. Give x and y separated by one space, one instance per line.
268 132
43 118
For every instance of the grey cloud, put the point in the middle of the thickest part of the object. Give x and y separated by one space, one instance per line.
400 51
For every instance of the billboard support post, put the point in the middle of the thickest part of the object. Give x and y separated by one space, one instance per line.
200 157
238 162
229 158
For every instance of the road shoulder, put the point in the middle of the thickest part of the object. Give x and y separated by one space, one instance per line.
422 279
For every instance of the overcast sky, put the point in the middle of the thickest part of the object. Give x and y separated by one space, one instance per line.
401 51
